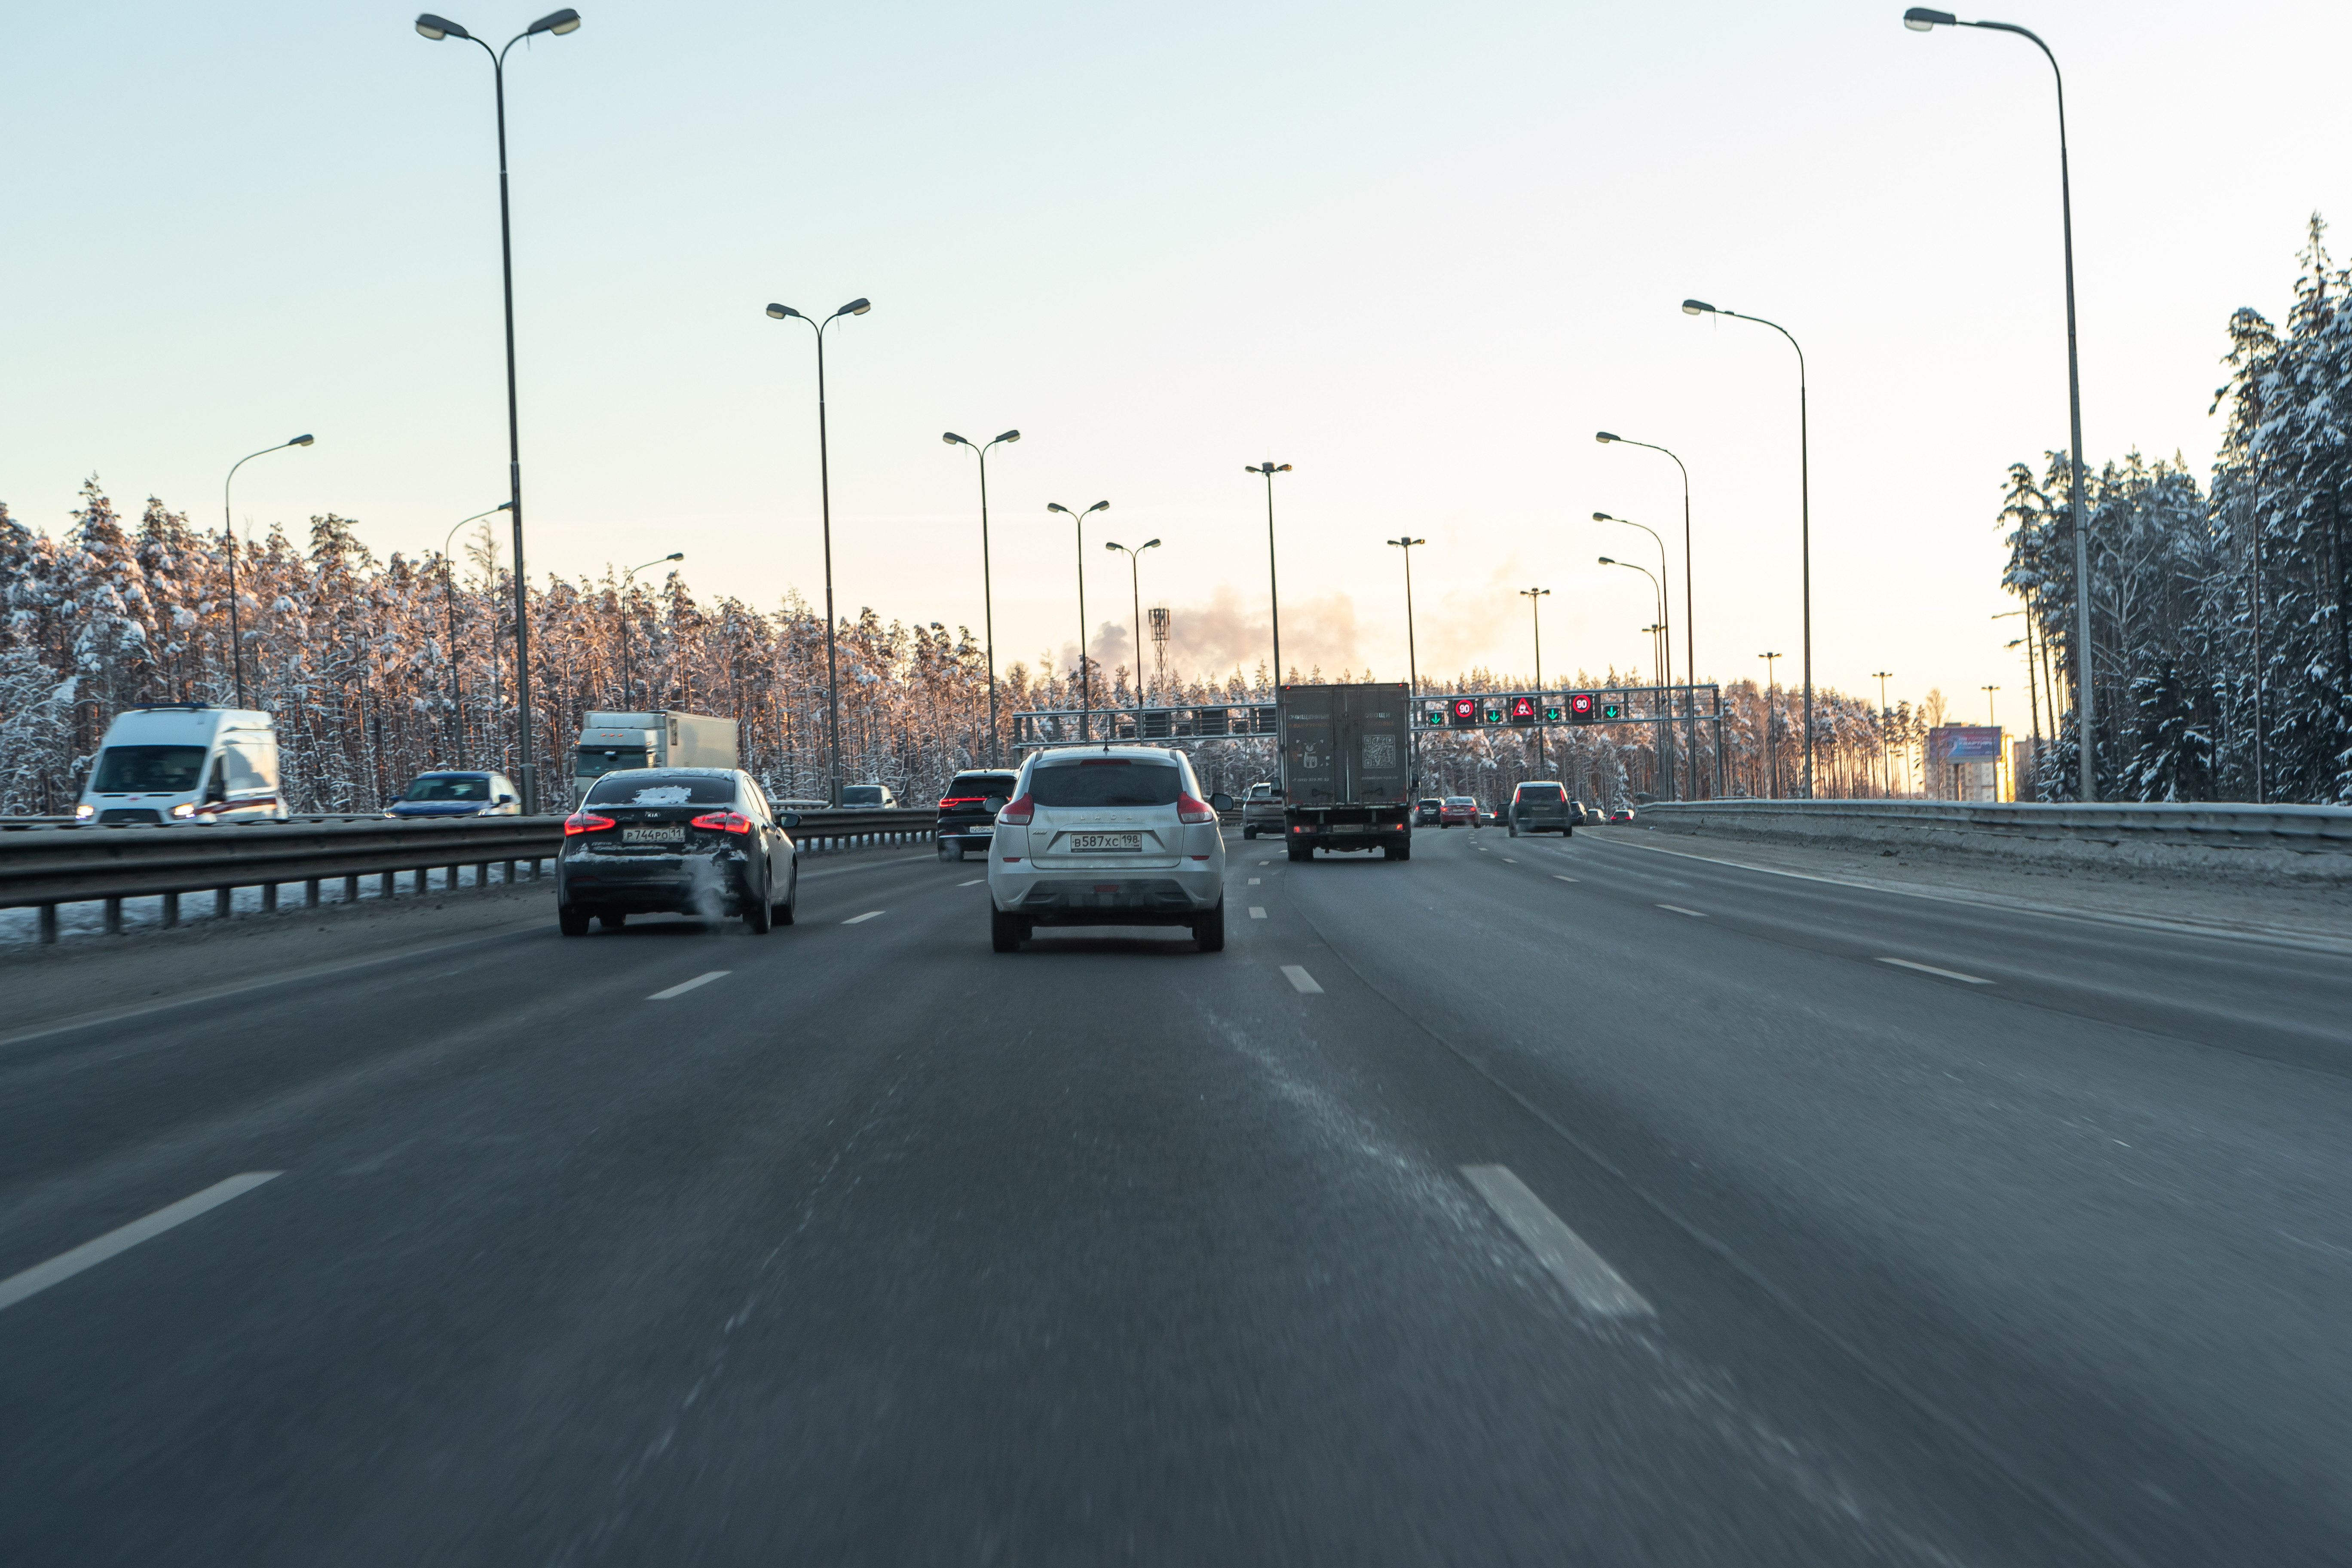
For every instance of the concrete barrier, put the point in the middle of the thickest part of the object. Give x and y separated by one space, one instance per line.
2301 842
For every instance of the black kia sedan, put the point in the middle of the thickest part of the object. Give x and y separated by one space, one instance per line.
689 841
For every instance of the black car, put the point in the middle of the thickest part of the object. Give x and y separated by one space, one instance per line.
689 841
968 811
1541 807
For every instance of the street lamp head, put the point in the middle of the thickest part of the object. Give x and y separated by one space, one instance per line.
557 22
1058 506
1008 436
1919 19
1602 517
1099 506
301 440
1113 545
952 440
1697 308
856 307
674 555
780 312
1148 544
1606 562
439 27
1603 437
503 506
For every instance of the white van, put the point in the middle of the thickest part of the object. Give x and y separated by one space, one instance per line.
183 762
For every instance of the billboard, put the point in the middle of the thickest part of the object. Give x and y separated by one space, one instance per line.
1964 743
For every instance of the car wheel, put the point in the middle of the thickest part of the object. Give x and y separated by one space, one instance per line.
1515 830
756 918
571 921
789 910
615 921
1006 932
1209 930
1302 852
950 851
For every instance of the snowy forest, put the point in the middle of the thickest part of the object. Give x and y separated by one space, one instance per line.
2218 618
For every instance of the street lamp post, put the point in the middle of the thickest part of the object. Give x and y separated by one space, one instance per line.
1690 630
228 528
987 596
1085 697
1920 19
1805 504
449 594
1273 578
1135 586
824 501
1535 598
621 602
1771 752
1666 630
1658 644
1886 753
556 23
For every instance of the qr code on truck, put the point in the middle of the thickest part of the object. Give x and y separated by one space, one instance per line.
1379 751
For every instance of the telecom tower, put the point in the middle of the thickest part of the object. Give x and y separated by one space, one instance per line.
1159 647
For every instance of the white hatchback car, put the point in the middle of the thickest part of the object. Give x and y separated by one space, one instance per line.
1107 836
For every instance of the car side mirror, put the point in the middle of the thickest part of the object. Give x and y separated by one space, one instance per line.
506 800
788 819
1221 801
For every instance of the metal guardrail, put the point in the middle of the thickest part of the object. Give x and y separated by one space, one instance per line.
2314 836
45 867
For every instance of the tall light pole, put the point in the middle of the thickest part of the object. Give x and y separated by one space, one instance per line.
1412 656
1920 19
1657 607
1535 598
1273 578
1771 753
824 501
449 595
1666 630
1085 698
1135 586
621 601
1690 630
987 598
556 23
228 528
1805 503
1886 753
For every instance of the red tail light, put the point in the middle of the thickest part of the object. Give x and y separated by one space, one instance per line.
963 800
724 821
1190 810
585 822
1018 811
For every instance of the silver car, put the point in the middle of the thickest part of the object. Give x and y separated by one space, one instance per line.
1107 836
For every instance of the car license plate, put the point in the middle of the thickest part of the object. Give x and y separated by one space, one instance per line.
1090 843
653 836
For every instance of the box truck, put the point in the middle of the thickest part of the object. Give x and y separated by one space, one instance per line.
610 741
1346 769
173 762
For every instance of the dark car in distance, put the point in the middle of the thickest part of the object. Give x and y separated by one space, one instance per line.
451 792
688 841
968 810
1426 810
1540 807
1458 809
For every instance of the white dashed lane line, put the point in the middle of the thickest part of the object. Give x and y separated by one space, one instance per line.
1256 913
1598 1289
1300 980
1558 878
975 883
682 987
1931 969
861 919
1680 911
1253 881
1508 861
90 1254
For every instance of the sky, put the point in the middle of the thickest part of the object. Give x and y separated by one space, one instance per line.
1419 253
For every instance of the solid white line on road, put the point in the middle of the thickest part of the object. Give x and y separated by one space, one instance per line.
1598 1289
1680 911
975 883
684 986
860 920
90 1254
1558 878
1300 980
1256 913
1931 969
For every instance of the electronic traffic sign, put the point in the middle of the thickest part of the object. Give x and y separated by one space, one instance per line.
1465 710
1581 707
1523 709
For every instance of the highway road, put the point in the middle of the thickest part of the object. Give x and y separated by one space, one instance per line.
1528 1202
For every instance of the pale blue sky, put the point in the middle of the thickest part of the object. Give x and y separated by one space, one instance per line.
1422 253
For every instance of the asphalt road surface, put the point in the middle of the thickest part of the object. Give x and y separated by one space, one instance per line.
1529 1202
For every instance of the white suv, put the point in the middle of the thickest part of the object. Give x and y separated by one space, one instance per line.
1107 836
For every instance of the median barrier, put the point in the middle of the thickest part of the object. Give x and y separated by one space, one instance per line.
2313 842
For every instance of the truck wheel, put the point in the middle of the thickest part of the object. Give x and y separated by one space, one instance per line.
571 921
1006 932
1209 930
1302 852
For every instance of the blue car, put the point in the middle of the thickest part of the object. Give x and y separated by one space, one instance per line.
457 793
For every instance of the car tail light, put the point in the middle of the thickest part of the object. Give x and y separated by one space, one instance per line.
1194 811
724 821
963 800
585 822
1018 811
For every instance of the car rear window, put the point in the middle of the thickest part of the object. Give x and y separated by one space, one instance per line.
1539 792
1459 800
663 789
1106 781
981 785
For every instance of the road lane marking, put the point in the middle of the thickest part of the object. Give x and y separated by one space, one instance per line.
975 883
90 1254
860 920
1256 913
1508 861
684 986
1598 1289
1300 980
1253 881
1931 969
1680 911
1558 878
